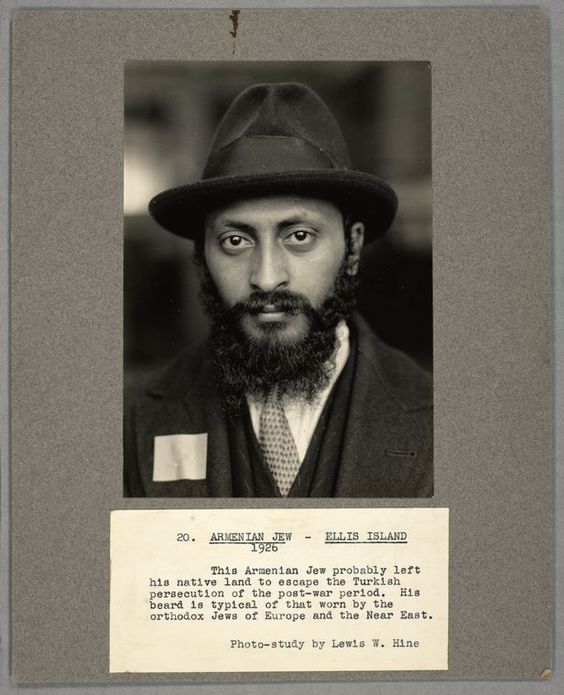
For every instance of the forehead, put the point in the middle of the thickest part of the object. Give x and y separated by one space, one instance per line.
274 210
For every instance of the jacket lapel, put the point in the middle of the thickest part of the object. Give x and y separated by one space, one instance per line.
219 457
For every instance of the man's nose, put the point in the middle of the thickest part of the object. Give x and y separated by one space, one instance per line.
269 272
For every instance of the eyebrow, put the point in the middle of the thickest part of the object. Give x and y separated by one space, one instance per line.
295 220
240 226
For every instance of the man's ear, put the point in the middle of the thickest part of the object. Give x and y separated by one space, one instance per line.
356 240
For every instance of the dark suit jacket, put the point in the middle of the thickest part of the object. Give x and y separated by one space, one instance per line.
388 442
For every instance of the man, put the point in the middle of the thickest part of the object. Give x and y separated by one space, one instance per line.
292 395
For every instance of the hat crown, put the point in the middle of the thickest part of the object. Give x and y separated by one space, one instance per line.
277 139
280 110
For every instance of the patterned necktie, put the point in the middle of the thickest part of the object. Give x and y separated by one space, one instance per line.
277 444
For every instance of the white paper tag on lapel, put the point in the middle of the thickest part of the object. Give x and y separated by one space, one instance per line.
180 457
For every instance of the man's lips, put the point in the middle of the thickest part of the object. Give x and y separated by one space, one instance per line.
279 307
271 312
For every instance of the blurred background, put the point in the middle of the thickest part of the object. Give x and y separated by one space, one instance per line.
171 112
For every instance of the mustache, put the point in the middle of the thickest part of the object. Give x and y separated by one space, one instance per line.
279 300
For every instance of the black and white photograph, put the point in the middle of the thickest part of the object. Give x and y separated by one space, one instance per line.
278 304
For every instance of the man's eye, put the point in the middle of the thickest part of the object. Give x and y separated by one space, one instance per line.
300 237
234 242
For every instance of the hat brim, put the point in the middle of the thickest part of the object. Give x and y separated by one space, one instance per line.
367 198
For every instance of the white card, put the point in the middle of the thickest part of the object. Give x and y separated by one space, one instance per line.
239 590
180 457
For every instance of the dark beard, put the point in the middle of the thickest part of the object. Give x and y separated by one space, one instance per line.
244 366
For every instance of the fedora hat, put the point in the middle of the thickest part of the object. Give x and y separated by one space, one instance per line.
277 139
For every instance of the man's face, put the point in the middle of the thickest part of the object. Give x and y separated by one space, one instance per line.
288 244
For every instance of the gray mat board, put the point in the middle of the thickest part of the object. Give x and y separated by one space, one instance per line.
421 686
